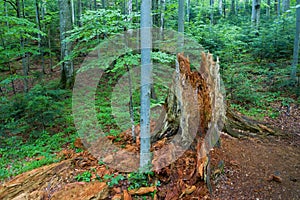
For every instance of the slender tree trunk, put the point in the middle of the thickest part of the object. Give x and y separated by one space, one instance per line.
188 10
40 39
278 7
67 70
211 2
137 6
103 4
95 5
285 5
162 18
181 24
22 45
268 8
129 5
255 13
296 46
146 82
224 8
232 7
79 12
72 11
220 7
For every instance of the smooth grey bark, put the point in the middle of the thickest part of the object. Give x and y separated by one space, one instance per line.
211 3
146 82
181 16
180 24
103 4
129 5
285 5
67 70
255 17
296 46
188 10
220 7
72 12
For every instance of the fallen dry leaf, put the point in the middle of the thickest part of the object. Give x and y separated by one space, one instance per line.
188 190
142 190
117 197
126 195
275 178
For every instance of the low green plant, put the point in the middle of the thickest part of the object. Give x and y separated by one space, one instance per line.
139 179
18 155
85 176
113 180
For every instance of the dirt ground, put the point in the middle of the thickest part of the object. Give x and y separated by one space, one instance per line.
255 169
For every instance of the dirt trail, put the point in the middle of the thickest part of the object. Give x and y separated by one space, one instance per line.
256 169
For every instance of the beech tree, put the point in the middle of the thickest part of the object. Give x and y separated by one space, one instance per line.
146 81
296 45
255 17
67 70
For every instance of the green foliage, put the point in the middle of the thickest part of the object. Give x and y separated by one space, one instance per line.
85 176
139 179
18 155
11 36
32 112
113 180
96 26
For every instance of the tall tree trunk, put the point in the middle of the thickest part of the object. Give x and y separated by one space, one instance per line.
79 12
224 8
67 70
211 2
146 82
278 7
95 5
129 5
72 12
22 45
40 39
103 4
232 7
188 10
268 8
255 17
162 16
285 5
220 7
180 24
296 46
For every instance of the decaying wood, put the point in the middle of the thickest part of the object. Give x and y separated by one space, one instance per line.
194 109
242 126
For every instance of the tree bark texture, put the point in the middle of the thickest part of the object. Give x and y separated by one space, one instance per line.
194 110
67 71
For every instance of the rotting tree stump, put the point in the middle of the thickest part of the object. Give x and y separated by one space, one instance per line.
194 111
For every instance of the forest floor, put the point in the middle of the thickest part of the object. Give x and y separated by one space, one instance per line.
248 168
